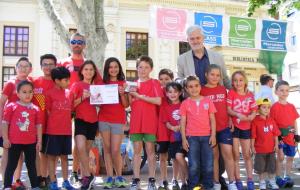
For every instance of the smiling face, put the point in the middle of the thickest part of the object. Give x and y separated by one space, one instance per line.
23 69
77 47
213 77
47 66
25 93
113 69
195 40
193 88
88 72
173 95
144 69
239 83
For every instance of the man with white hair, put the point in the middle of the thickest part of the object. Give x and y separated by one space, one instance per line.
195 61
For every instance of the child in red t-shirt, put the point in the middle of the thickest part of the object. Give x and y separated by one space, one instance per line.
85 119
22 132
41 85
241 107
285 115
218 94
144 119
198 132
170 117
162 136
9 94
59 104
112 118
264 144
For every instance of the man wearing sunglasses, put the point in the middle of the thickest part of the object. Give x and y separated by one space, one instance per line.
73 63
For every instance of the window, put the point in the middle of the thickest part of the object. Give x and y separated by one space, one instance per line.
16 40
183 47
293 70
136 45
8 73
131 75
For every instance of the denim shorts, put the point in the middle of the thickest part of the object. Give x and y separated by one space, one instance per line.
241 134
288 150
224 136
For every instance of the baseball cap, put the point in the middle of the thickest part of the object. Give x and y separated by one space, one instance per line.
263 101
264 78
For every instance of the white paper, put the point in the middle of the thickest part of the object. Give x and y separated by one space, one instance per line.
104 94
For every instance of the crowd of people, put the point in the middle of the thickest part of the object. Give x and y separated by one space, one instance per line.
202 122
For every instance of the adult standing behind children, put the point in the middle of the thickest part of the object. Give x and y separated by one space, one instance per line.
196 61
266 82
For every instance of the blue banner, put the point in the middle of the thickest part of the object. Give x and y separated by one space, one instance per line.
212 26
273 35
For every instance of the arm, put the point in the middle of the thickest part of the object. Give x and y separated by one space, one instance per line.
252 146
123 96
174 128
3 100
185 144
236 114
276 143
6 142
151 100
39 137
251 116
212 139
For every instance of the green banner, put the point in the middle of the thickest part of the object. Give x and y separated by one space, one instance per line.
242 32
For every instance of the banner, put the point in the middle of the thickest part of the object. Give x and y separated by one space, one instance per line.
273 35
242 32
212 26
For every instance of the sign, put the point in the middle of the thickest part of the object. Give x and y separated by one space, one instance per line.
242 32
212 27
273 35
104 94
171 23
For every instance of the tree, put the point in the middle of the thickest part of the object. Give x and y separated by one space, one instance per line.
89 19
274 6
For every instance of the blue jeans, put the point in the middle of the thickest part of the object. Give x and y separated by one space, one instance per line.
200 157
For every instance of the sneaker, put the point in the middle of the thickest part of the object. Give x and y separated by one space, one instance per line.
272 184
217 186
164 185
289 182
43 183
175 185
151 184
250 185
280 182
19 185
184 186
53 186
74 177
232 186
120 182
36 188
87 182
239 185
262 185
108 184
66 185
135 185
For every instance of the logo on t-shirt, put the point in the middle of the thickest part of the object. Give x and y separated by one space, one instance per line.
242 106
268 128
176 115
217 98
206 106
23 125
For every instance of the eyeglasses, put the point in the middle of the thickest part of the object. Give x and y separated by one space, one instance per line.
23 67
48 65
78 42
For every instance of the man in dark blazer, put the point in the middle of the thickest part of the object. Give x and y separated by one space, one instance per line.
195 61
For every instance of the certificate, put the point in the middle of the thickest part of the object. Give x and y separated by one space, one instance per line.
104 94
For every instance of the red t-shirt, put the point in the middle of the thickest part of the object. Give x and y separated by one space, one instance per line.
264 131
163 133
73 65
218 96
144 116
10 89
243 104
170 114
285 115
59 104
41 86
197 116
84 110
113 113
22 121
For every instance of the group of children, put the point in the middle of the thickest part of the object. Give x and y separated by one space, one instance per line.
184 118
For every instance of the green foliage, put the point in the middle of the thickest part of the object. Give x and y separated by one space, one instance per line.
273 6
272 60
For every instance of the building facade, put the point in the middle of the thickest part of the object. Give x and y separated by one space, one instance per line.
25 30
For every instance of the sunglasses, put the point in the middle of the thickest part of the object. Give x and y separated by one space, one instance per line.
78 42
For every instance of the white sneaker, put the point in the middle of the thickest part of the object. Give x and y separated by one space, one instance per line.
217 186
262 185
272 184
232 186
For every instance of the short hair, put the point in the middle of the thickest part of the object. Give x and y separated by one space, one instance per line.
281 83
60 73
87 62
194 28
166 72
106 77
146 59
23 59
189 79
23 83
48 56
77 34
264 79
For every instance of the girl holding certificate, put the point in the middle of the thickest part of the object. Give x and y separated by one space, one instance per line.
111 119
